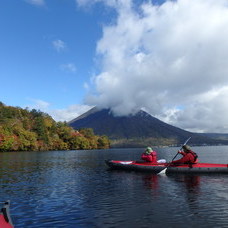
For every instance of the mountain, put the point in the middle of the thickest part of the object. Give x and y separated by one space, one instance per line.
221 136
140 129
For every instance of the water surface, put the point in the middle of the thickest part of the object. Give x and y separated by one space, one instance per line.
76 189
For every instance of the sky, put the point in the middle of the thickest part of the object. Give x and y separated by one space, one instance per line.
169 58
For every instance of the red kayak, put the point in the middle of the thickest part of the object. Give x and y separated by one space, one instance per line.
5 219
158 167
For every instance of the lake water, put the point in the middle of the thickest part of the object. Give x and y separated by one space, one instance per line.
76 189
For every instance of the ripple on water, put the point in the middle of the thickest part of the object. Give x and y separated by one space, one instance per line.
75 189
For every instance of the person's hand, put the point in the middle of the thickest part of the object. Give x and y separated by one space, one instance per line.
179 151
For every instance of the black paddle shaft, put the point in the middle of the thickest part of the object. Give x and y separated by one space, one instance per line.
181 147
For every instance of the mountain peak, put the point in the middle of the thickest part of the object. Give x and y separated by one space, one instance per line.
140 129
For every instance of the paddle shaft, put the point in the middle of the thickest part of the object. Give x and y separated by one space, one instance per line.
181 147
164 170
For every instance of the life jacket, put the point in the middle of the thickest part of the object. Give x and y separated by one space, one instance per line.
194 155
152 157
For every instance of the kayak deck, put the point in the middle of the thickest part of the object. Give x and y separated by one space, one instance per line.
157 167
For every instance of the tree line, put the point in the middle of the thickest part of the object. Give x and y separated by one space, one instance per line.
33 130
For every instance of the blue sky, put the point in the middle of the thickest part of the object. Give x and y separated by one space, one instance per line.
47 51
166 57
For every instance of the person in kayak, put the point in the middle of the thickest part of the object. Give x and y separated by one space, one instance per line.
189 157
149 155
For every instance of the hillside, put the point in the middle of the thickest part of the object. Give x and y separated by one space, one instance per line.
137 130
24 130
220 136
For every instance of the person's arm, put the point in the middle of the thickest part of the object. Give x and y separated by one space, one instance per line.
143 156
179 161
184 159
181 152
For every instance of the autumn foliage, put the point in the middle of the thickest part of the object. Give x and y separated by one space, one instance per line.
24 130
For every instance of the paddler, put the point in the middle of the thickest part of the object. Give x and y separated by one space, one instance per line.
189 157
149 155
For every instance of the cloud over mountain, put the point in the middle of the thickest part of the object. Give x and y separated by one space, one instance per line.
169 59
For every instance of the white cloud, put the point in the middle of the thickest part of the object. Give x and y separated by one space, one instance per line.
70 67
83 2
59 45
69 113
113 3
38 104
208 112
36 2
165 57
86 85
65 114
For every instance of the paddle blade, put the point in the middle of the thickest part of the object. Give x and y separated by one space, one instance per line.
163 171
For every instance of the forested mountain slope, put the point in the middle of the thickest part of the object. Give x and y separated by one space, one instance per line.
24 130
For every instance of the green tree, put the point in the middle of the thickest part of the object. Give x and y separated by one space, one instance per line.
103 142
21 129
40 129
87 132
6 143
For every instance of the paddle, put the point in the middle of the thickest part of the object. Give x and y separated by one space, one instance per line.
164 170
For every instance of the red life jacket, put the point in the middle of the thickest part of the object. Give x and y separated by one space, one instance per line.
194 155
188 158
152 157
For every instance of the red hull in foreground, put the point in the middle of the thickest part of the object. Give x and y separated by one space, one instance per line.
5 219
156 168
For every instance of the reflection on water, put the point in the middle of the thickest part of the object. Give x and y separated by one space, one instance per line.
76 189
151 181
189 182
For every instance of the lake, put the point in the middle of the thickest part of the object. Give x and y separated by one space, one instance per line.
76 189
